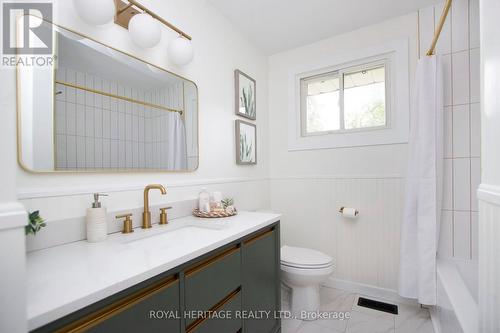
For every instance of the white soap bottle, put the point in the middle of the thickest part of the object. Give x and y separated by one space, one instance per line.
204 201
97 226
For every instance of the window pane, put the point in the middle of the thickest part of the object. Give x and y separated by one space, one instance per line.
323 111
364 99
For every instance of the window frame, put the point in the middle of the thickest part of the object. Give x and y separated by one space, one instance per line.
396 51
339 72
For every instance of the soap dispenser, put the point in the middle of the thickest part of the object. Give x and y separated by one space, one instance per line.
97 226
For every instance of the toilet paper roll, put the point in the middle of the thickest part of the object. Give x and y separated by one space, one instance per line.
348 212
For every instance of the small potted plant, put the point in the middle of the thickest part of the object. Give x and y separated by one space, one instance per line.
35 223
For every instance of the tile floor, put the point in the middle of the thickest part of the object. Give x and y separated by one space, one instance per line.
411 319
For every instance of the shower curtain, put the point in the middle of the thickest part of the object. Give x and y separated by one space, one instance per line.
177 146
424 188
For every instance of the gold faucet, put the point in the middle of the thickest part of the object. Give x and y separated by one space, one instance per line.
146 216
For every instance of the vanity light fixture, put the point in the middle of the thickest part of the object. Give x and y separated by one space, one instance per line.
144 30
142 23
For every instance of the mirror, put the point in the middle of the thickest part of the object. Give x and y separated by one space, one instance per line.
98 109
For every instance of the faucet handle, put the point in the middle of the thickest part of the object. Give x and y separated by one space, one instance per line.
127 223
163 215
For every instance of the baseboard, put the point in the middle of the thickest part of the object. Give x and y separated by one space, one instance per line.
369 290
436 324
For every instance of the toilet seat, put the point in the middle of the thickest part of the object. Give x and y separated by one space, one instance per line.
302 258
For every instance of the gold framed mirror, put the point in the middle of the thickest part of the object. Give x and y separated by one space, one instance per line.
99 109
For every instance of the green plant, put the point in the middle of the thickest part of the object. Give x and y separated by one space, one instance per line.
245 149
35 223
226 202
248 101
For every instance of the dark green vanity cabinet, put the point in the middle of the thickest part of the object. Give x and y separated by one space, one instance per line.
261 292
237 282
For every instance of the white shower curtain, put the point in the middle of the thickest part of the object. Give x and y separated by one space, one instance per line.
177 147
422 212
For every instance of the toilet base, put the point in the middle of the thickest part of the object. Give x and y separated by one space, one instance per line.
305 301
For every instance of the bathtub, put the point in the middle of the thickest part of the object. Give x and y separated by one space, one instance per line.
457 289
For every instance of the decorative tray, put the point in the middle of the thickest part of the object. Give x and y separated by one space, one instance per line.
197 213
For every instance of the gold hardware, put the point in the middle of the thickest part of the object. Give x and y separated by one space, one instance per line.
112 310
127 223
163 215
442 20
20 160
124 13
213 309
127 99
146 216
208 262
258 237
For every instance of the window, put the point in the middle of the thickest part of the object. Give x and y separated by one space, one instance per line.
346 99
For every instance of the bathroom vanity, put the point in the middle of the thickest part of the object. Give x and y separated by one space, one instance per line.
162 280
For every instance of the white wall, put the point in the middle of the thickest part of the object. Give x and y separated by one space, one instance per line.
489 193
219 49
310 186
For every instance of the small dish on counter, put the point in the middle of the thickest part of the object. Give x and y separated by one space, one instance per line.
215 214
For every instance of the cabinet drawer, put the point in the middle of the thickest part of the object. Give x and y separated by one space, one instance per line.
230 324
132 314
210 281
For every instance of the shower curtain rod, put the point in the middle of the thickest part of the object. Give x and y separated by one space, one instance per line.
446 10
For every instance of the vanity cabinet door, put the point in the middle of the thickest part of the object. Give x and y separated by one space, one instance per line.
261 281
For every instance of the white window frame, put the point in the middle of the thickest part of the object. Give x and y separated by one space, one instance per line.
394 55
339 73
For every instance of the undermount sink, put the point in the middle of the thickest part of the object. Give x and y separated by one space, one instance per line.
189 232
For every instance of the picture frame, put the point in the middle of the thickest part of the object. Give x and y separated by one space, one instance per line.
246 143
245 95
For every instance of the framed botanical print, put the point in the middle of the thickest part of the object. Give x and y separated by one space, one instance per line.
246 143
245 92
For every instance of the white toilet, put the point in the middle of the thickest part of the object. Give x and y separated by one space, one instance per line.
303 270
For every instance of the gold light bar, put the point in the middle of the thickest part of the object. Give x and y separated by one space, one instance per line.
124 13
118 97
442 20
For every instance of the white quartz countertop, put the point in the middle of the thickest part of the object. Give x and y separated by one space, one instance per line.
67 278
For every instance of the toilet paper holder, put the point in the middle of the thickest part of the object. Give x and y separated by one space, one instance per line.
341 211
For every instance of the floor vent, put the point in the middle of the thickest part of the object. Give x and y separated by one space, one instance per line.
379 306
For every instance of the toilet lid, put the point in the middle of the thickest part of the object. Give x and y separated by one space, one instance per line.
302 257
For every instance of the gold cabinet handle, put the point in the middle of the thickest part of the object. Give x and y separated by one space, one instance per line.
95 318
192 327
208 262
127 223
258 237
163 215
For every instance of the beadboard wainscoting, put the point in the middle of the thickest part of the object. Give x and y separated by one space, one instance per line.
65 214
365 249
